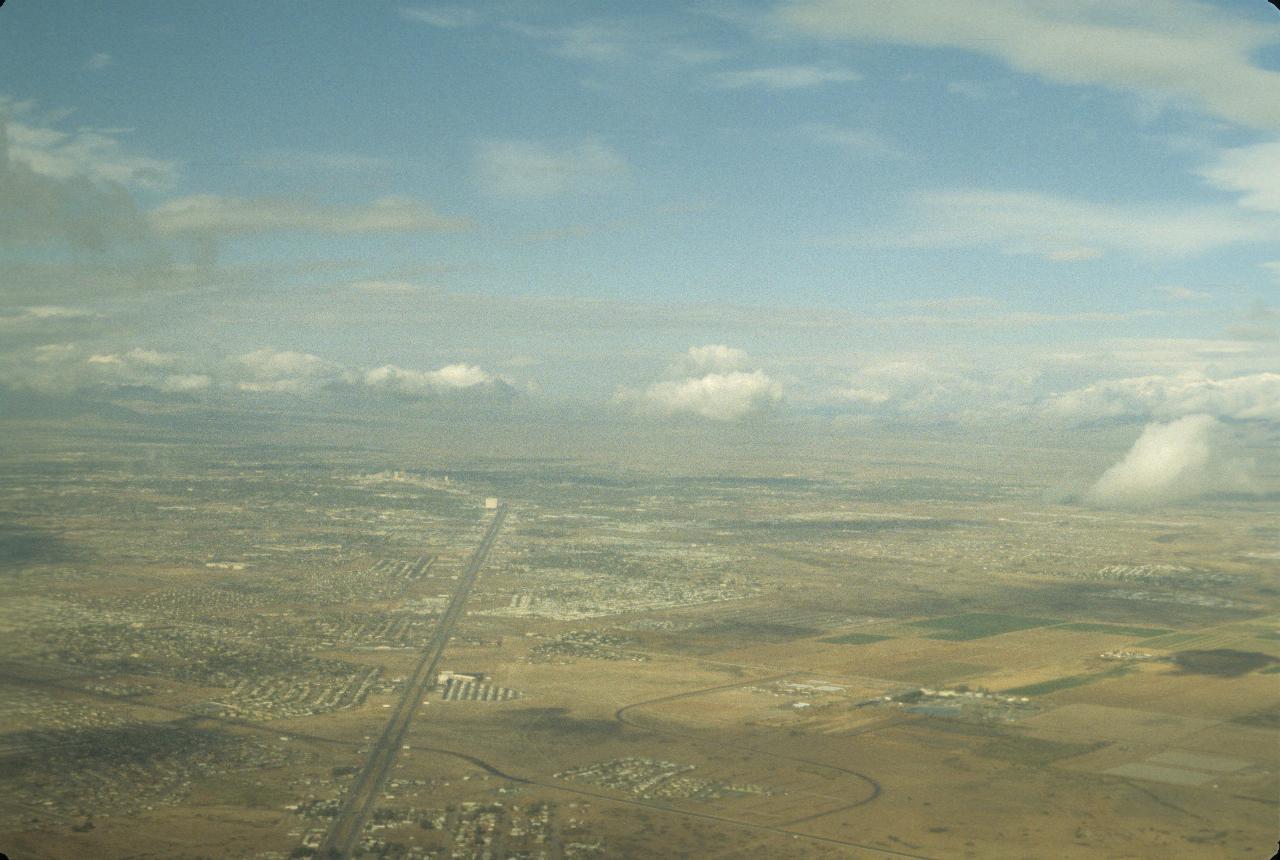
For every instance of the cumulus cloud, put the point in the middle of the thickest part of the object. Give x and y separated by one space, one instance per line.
527 169
784 77
212 215
1196 54
708 381
1171 462
719 396
1253 396
426 383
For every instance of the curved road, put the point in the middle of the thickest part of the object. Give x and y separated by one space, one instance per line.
621 716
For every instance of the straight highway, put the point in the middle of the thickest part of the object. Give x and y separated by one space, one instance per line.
363 796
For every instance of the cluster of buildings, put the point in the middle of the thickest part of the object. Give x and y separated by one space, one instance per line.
128 769
591 644
649 778
281 697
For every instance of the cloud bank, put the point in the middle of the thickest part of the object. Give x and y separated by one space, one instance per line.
1250 397
64 369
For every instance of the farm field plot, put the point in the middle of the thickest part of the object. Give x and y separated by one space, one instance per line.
978 625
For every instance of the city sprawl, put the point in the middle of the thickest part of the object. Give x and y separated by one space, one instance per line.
230 650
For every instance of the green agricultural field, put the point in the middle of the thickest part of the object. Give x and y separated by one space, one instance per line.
855 639
1113 629
978 625
1172 640
1065 683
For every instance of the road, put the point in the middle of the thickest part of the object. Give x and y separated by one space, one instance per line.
873 787
363 796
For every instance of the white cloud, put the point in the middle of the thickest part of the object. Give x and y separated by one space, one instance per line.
1251 171
64 369
1253 396
69 188
93 154
51 353
516 168
714 357
214 215
449 17
46 312
423 383
185 383
718 396
1172 462
286 372
98 61
137 357
784 77
35 316
1064 229
1195 53
707 381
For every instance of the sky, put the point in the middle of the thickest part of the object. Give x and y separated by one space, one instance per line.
966 212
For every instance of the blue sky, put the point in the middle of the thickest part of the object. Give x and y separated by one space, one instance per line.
962 210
